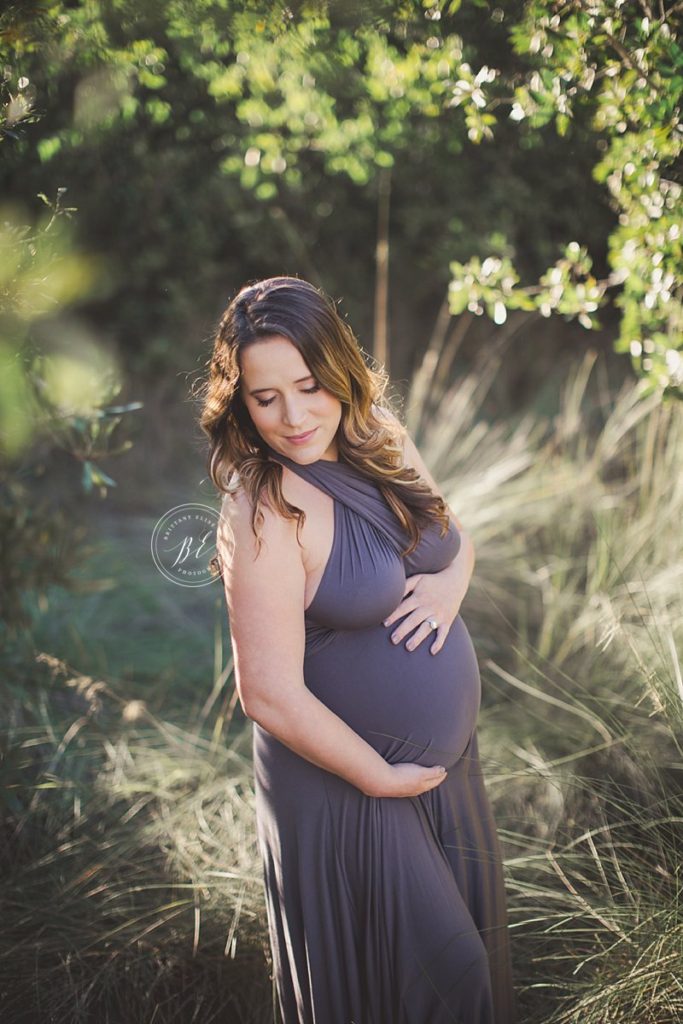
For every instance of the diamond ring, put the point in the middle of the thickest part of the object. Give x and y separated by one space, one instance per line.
432 623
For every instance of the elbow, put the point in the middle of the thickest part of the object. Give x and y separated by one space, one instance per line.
250 707
275 715
247 711
257 709
249 698
269 703
247 701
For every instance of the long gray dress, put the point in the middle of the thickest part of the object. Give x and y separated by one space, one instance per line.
382 910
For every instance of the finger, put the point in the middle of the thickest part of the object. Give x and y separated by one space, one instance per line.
441 632
420 634
406 605
433 783
414 615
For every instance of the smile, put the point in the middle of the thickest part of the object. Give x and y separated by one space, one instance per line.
302 438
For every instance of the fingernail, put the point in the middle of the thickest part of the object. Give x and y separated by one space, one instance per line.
442 769
395 639
410 645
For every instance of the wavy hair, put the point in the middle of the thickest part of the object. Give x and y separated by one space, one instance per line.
369 436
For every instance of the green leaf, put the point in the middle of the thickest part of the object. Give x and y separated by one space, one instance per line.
562 124
99 477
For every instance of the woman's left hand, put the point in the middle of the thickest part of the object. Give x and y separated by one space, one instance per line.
429 595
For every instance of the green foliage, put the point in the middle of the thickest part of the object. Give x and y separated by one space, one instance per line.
41 548
207 143
568 288
350 96
284 85
55 381
623 66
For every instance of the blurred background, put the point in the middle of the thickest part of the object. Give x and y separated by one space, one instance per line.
492 193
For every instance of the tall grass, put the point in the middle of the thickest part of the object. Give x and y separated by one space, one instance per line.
131 885
576 610
131 881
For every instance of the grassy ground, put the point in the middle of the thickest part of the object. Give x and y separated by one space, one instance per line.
131 881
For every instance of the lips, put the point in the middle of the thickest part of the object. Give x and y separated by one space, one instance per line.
302 437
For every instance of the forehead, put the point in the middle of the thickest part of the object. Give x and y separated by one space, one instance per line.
270 360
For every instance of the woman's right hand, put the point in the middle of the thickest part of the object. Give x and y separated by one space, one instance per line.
407 779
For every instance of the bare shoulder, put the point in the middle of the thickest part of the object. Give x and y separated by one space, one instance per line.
411 455
413 459
235 533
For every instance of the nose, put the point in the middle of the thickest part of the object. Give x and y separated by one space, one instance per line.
294 414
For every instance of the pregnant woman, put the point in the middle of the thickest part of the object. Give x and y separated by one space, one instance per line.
344 571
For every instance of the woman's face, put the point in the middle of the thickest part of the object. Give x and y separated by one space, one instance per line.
284 400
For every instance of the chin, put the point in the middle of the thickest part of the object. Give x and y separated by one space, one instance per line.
316 448
307 454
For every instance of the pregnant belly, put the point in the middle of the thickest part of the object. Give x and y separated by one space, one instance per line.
408 705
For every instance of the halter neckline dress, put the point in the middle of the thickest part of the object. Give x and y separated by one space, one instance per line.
382 910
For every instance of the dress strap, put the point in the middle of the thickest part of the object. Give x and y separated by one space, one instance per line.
345 484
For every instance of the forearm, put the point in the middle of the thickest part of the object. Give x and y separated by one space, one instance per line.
308 727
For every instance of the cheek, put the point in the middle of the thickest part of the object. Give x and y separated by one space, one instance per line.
330 406
260 417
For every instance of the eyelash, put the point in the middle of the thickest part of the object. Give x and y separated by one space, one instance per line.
307 391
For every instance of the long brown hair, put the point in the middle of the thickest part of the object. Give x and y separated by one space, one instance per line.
368 437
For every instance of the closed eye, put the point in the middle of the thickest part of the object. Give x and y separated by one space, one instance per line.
308 391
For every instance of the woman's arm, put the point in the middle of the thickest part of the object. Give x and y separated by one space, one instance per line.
265 597
441 593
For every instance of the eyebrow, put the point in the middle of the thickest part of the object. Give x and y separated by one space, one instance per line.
257 391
